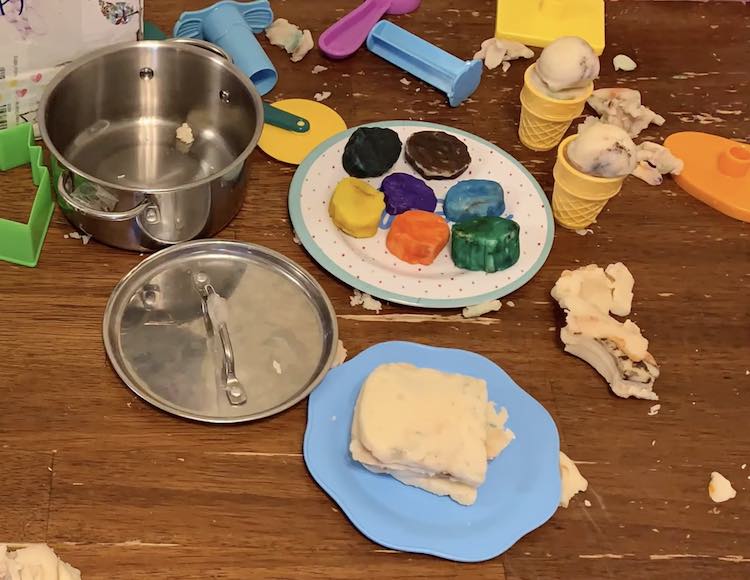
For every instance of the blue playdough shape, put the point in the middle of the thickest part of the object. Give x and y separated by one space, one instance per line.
474 198
404 192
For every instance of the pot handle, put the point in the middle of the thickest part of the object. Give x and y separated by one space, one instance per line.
65 181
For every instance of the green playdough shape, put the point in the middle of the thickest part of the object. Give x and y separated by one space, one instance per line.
485 243
21 243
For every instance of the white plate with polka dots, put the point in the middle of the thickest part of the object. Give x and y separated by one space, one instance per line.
367 265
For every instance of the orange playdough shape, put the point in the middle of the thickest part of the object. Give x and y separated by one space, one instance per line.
417 236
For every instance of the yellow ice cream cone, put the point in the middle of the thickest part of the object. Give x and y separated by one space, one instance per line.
544 120
577 197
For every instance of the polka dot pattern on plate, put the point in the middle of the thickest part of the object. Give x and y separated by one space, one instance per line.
367 264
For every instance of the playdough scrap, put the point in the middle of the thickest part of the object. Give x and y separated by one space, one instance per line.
486 243
437 155
474 198
356 208
417 236
617 350
428 429
404 192
371 151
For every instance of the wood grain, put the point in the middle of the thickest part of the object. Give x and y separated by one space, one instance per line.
126 492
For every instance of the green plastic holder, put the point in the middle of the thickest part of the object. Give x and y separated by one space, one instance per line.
21 243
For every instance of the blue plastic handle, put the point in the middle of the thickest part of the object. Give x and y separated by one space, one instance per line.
232 26
456 78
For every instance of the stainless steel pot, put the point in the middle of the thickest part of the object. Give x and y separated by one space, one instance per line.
110 120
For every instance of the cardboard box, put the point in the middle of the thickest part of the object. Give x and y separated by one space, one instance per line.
38 37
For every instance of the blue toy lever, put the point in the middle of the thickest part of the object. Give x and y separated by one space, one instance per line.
232 26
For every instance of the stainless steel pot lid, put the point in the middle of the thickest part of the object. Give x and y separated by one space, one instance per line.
219 331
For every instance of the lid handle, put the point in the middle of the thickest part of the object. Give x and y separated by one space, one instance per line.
214 308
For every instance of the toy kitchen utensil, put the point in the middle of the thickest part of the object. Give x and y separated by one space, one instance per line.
233 26
168 323
21 243
539 23
456 78
101 138
342 39
717 171
294 147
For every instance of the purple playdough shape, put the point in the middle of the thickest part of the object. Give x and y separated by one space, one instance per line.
404 192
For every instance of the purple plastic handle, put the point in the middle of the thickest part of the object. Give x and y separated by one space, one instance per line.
343 38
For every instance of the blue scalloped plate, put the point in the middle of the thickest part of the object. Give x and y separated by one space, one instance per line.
521 492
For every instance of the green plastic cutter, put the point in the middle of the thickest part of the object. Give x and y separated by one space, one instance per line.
21 243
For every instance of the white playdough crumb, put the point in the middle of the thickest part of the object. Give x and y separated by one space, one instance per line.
587 503
654 410
511 303
405 82
622 107
719 488
365 301
184 134
288 36
340 356
654 161
584 232
653 442
497 51
743 466
295 239
277 367
479 309
319 69
571 480
624 62
85 238
35 562
322 96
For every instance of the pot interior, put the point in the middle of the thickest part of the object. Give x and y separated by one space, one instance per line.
114 116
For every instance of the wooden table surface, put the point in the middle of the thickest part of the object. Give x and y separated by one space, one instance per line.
124 491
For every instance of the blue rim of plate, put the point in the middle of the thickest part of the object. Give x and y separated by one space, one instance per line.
295 212
342 483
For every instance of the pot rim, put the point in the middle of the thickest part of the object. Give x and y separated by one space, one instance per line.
154 44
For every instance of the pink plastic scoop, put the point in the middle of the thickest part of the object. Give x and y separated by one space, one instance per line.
342 39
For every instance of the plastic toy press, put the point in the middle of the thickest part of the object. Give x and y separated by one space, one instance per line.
717 171
232 26
455 77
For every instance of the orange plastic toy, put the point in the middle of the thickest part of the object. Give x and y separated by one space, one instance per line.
417 236
717 171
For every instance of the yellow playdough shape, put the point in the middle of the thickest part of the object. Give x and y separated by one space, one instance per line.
356 207
539 22
292 147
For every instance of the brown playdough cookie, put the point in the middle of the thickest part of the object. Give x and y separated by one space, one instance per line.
437 155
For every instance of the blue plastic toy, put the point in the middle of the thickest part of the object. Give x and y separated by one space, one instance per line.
233 26
455 77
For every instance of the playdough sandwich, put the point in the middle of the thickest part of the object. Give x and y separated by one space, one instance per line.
428 429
